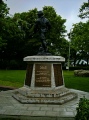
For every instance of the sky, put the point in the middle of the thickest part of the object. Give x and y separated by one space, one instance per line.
67 9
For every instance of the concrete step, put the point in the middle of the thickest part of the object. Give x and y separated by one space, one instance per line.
48 100
43 93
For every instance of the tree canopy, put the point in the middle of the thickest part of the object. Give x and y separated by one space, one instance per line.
79 35
80 39
84 10
17 38
4 10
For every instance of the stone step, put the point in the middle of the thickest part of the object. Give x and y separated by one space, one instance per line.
46 100
44 93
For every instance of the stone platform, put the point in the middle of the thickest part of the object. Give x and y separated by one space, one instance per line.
44 82
11 108
56 96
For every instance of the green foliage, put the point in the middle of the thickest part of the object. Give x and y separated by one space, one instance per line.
84 11
79 36
17 38
2 43
4 10
80 39
82 110
56 35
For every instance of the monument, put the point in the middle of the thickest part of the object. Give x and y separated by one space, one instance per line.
44 82
42 26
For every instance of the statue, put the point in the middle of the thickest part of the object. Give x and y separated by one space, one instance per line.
42 25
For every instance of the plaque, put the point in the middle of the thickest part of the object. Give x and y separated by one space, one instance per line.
58 74
29 74
43 75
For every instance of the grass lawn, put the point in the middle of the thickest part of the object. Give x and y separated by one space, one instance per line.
15 78
79 83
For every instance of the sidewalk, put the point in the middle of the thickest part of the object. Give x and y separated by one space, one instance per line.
9 107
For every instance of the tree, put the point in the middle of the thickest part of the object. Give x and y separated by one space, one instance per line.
4 10
56 35
80 39
26 22
80 35
84 10
20 40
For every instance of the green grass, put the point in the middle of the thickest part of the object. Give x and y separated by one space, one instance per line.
15 78
79 83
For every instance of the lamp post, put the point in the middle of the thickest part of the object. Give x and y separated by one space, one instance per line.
68 64
69 57
69 36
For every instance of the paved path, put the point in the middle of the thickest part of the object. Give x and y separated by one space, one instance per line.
9 107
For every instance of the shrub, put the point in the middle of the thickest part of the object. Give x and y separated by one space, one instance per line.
82 73
82 109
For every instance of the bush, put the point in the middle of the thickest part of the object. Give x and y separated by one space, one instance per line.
82 73
82 109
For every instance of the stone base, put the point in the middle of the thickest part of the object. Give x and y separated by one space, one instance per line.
57 96
44 82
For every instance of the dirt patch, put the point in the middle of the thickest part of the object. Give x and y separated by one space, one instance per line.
5 88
